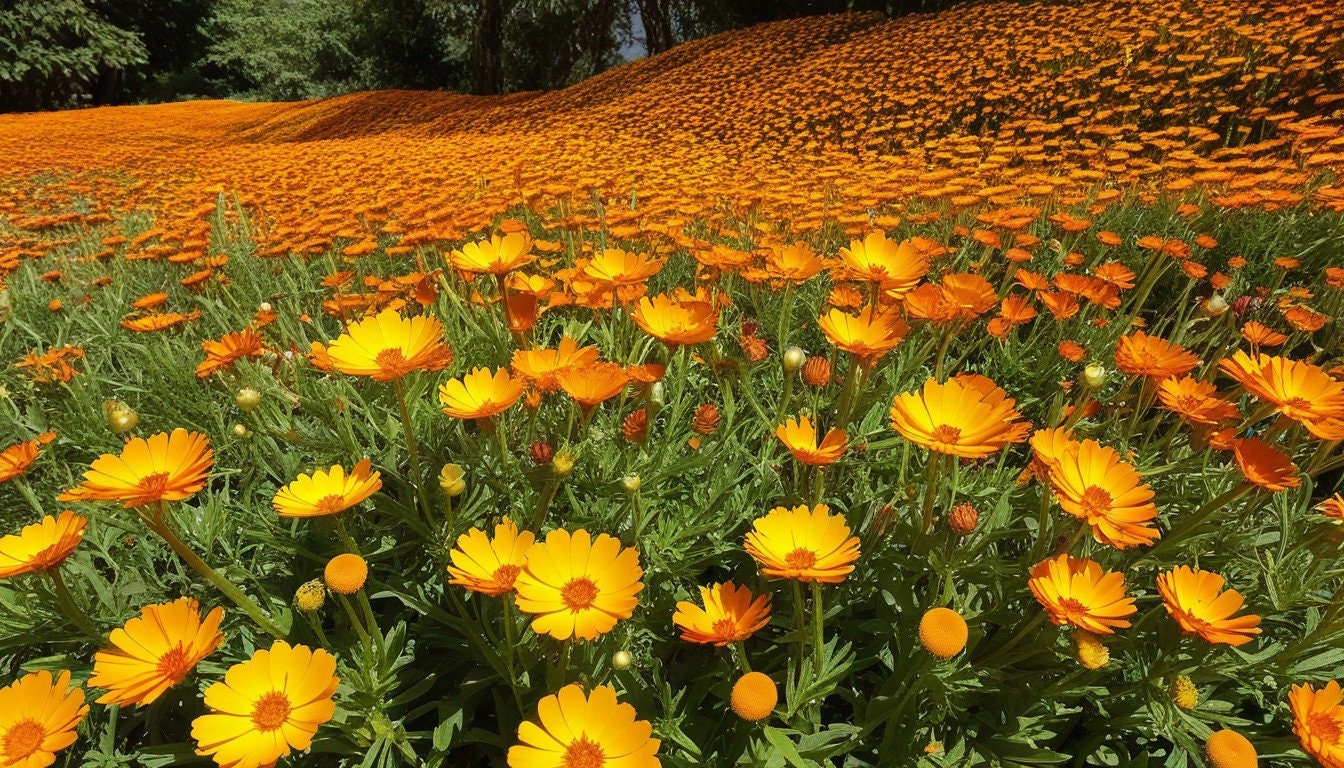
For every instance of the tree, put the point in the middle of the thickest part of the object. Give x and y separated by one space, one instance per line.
53 51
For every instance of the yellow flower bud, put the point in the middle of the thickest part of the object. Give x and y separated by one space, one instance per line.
241 430
630 483
1094 375
451 480
622 660
1092 652
562 464
310 596
247 399
1184 694
793 359
121 419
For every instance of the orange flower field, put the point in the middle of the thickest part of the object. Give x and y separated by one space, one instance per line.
962 389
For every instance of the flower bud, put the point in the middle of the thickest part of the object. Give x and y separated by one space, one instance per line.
451 480
121 419
563 463
310 596
540 452
1094 375
241 430
1215 305
817 372
962 519
794 358
1184 694
247 399
622 660
631 484
265 306
1092 653
706 420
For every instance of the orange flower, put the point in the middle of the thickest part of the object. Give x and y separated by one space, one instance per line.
730 615
1318 721
1195 401
496 256
541 366
895 267
388 346
166 467
17 458
593 384
1093 484
245 344
41 546
1195 599
480 395
1265 465
1077 591
1144 355
51 366
159 322
615 267
867 336
1261 335
675 322
800 437
490 566
1300 391
1333 507
969 294
968 416
793 263
803 544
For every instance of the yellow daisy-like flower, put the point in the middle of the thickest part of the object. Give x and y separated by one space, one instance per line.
800 437
490 566
480 394
388 346
730 615
674 322
166 467
267 706
41 546
154 651
329 492
967 416
38 717
1196 600
496 256
578 586
803 544
1318 721
578 731
1077 591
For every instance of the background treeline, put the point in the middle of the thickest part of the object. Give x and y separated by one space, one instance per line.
64 53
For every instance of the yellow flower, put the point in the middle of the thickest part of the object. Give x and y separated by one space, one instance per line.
729 616
754 696
803 544
578 731
326 493
163 468
674 322
496 256
1318 721
155 651
38 717
967 416
41 546
389 346
480 394
577 586
1196 600
1076 591
490 566
942 632
267 706
800 437
895 267
451 480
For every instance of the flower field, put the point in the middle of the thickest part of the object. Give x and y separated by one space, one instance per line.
814 394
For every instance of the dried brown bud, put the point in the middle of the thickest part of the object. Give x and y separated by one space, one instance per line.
706 419
636 426
541 452
962 519
817 372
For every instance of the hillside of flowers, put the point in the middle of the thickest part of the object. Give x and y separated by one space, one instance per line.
956 390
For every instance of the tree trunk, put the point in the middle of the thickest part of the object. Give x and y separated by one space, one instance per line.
487 48
595 30
656 17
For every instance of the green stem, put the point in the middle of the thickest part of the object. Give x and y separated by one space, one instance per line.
818 619
355 621
742 657
412 451
785 314
930 491
316 624
367 608
798 622
544 503
71 608
345 536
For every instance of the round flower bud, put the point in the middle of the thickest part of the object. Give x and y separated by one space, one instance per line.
754 696
1229 749
563 463
630 483
817 372
541 452
1215 305
310 596
622 660
346 574
241 430
247 399
265 306
451 480
942 632
1092 653
658 394
794 358
1094 375
1184 694
122 420
962 519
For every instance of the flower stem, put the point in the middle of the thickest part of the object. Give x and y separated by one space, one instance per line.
510 639
354 619
930 491
70 607
741 654
818 619
412 451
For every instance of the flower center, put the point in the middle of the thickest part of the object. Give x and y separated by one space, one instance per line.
1072 608
390 360
1297 404
1322 725
582 753
154 485
946 433
505 575
1189 403
24 738
579 594
725 629
271 711
1096 502
801 559
174 664
330 504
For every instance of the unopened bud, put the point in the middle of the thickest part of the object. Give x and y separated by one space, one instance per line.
962 519
451 480
121 419
1094 375
657 393
247 399
540 452
1215 305
241 430
563 463
622 660
630 483
793 359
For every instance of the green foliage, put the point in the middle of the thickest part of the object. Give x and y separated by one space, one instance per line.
52 52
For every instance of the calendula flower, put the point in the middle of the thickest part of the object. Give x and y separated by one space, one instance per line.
327 492
480 394
578 586
803 544
1300 391
1195 401
490 566
267 706
967 416
593 384
1077 591
674 322
800 437
38 717
17 458
496 256
1333 507
867 336
1265 465
1318 721
388 346
754 697
730 615
614 267
943 632
41 546
1092 483
1195 599
578 731
895 267
166 467
541 366
232 347
155 651
1142 355
793 263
